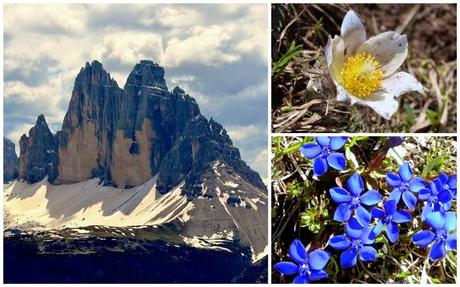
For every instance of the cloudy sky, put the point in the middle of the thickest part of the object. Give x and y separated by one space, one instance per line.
216 53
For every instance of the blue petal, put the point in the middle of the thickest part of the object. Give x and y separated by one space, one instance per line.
300 280
393 180
451 221
444 196
371 197
343 212
337 161
405 172
435 186
318 259
438 251
286 268
367 253
443 178
427 209
390 207
355 184
323 141
435 220
310 150
337 142
377 212
395 195
451 242
362 215
423 238
353 228
417 184
378 228
401 216
297 252
339 242
409 199
320 165
424 194
452 182
392 232
348 258
317 275
368 236
339 195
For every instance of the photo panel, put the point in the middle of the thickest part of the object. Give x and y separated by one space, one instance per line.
363 209
364 68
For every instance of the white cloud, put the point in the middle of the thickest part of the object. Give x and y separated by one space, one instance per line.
173 16
128 47
240 133
260 162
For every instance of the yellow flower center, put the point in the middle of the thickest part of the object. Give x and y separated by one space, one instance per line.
361 75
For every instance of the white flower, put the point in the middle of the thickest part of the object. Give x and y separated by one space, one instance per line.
364 71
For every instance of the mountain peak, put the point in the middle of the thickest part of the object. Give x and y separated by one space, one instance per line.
41 120
148 74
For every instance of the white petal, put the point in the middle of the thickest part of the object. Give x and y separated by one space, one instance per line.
401 83
382 103
390 48
352 32
342 95
334 53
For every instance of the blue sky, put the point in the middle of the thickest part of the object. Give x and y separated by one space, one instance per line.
216 53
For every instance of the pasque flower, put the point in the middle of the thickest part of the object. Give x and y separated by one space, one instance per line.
441 237
438 196
307 267
389 218
364 71
404 184
352 199
356 242
324 154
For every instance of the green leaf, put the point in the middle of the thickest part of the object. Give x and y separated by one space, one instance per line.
292 52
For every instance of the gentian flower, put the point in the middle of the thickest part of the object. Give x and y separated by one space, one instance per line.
442 237
437 197
352 199
356 241
309 267
449 183
395 141
404 184
389 217
364 71
324 154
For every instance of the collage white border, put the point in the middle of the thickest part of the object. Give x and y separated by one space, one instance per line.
269 110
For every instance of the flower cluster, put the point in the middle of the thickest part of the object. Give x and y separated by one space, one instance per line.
367 213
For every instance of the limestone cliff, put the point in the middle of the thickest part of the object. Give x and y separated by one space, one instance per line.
10 161
126 136
37 157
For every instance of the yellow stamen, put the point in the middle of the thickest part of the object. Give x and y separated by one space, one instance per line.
361 75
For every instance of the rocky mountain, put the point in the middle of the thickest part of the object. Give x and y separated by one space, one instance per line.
10 161
183 166
38 157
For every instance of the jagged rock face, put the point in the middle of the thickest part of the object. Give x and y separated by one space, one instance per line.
10 161
126 136
38 153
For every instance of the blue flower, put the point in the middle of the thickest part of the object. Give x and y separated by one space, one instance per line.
356 242
308 267
395 141
404 185
389 217
449 183
437 197
353 199
324 154
441 237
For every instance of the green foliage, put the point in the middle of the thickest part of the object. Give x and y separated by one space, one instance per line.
292 52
